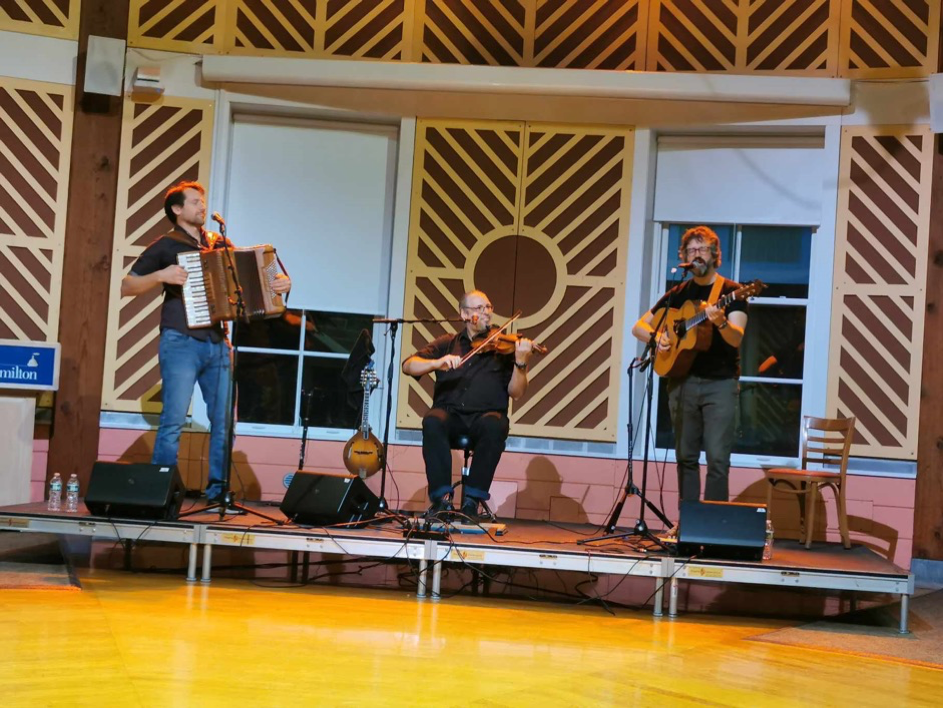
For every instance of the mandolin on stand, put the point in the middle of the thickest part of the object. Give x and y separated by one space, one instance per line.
363 453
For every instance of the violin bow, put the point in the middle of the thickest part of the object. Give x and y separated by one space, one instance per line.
490 338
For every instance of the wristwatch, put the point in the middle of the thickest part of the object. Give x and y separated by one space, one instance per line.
722 326
522 367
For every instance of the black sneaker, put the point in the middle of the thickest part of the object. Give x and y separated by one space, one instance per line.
471 512
440 506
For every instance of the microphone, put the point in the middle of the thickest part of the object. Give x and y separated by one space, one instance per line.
218 219
475 319
681 266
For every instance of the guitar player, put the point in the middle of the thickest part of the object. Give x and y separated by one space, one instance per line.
704 402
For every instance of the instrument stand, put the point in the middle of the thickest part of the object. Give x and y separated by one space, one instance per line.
227 504
640 529
394 323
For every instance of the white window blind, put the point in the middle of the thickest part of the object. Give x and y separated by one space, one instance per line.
322 194
739 179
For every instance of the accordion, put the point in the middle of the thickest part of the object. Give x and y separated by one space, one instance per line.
209 295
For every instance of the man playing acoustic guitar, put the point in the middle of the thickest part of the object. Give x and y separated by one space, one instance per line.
704 401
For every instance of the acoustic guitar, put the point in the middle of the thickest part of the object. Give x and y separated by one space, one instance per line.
689 330
363 453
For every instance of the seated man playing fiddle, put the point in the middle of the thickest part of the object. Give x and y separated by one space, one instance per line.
471 399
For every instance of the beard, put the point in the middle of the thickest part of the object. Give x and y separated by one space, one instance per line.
700 267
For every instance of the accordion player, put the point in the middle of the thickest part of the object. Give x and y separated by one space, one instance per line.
209 294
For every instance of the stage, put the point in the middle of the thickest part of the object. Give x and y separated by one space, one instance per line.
527 544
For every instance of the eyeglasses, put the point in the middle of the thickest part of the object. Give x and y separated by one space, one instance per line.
480 309
695 250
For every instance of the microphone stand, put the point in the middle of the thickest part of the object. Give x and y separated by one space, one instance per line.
227 503
394 323
641 528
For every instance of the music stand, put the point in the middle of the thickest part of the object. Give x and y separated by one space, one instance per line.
226 503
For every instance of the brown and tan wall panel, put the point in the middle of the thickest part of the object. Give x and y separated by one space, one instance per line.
853 38
537 217
35 142
51 18
879 294
161 144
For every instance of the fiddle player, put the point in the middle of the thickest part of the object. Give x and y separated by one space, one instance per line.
468 399
704 403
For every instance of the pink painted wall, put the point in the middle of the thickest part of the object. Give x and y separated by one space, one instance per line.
531 486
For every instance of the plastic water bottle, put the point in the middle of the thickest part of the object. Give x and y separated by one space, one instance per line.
768 546
72 494
55 493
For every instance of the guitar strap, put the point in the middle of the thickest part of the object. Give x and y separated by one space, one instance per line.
715 291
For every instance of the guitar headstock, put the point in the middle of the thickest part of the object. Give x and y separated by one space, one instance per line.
750 290
368 378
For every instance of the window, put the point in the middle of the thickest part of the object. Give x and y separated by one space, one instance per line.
772 354
302 351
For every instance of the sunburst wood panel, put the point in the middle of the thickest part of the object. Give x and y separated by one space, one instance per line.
161 144
889 38
875 355
52 18
534 215
194 26
35 145
466 179
571 286
744 36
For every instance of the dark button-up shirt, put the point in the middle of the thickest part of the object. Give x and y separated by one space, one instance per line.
162 253
478 385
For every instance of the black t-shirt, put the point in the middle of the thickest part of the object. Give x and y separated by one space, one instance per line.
478 385
720 361
162 253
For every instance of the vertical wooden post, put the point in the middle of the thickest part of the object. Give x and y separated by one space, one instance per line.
928 521
73 445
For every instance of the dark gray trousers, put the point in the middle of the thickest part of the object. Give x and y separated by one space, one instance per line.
704 415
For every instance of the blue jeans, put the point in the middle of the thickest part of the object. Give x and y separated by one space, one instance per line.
184 362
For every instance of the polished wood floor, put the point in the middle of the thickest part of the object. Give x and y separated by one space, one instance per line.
152 640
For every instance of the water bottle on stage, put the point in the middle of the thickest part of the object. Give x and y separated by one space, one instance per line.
55 493
72 494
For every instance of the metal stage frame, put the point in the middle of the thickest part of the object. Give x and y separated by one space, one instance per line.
792 566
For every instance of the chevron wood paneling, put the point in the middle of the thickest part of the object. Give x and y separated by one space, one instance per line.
875 355
534 215
889 38
161 144
51 18
35 145
744 36
488 32
194 26
602 34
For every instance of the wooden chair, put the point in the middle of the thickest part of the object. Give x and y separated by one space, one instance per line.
826 442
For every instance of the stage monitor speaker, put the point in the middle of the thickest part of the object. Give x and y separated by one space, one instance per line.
722 530
325 499
135 491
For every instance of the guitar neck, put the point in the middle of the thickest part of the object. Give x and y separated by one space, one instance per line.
702 315
364 424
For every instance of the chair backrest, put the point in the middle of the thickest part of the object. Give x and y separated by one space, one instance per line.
826 443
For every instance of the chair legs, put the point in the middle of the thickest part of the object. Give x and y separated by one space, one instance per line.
811 501
843 517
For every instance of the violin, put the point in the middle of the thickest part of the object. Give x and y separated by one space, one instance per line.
504 343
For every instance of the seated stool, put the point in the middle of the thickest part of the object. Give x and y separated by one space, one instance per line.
463 443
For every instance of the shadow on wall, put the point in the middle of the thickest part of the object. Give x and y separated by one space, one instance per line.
192 463
543 491
785 513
